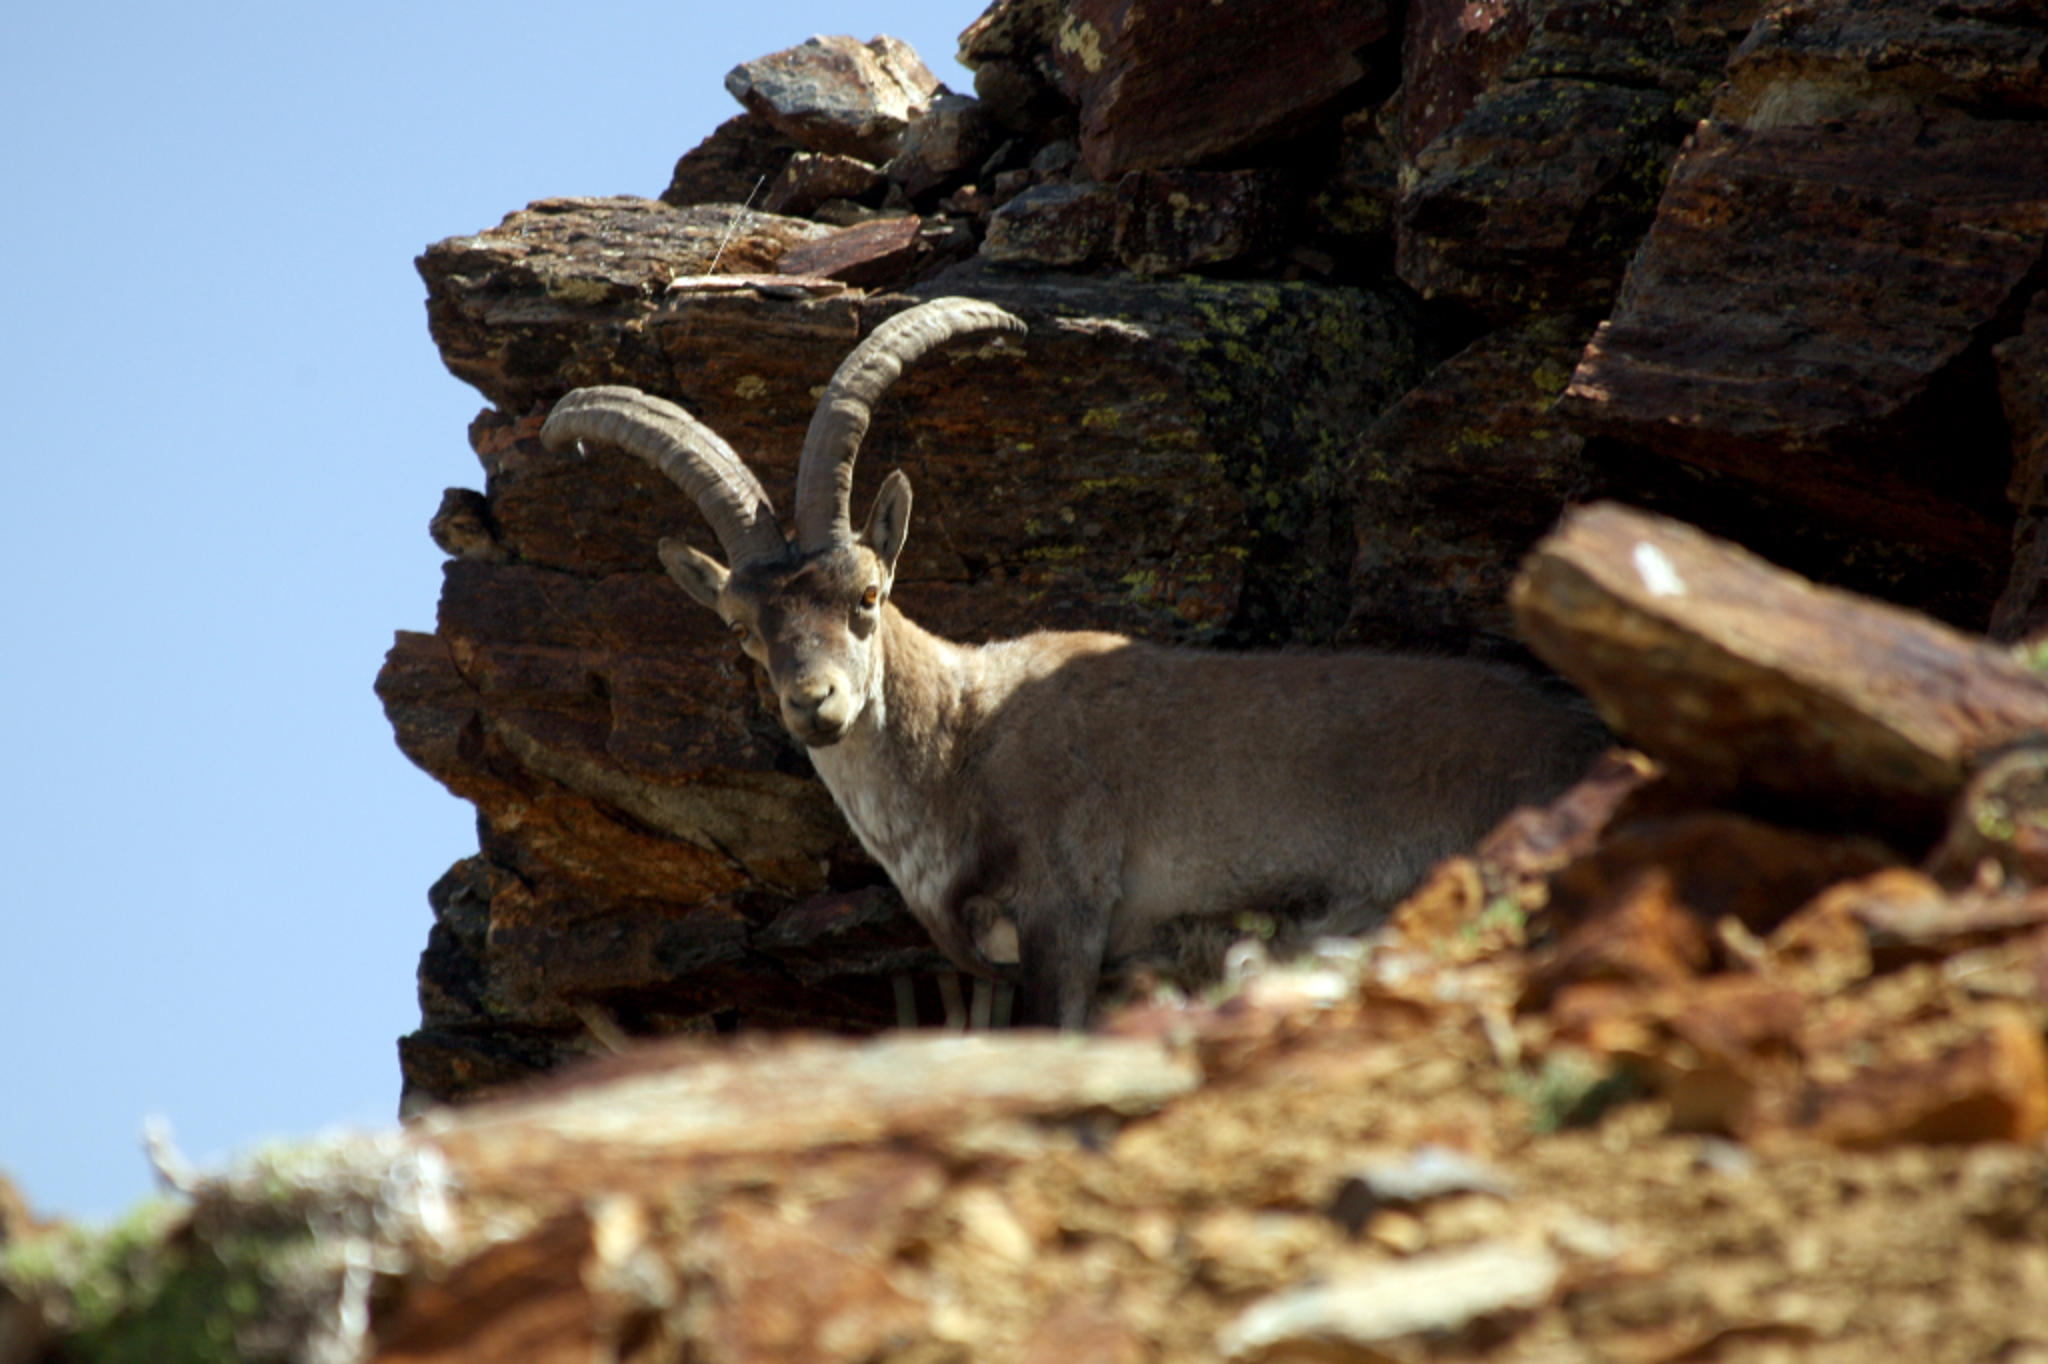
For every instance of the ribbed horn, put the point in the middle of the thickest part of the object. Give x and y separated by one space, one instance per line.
824 479
689 452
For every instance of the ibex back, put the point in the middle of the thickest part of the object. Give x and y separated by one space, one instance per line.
1055 799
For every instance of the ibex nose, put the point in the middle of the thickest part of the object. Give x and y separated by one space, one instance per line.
817 710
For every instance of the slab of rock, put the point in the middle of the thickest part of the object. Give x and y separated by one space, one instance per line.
524 304
1188 82
677 1105
1367 1313
945 144
1752 681
1456 482
1170 222
1061 226
833 94
732 166
885 251
1535 138
808 179
1835 250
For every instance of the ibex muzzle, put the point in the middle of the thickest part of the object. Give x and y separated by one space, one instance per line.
1072 792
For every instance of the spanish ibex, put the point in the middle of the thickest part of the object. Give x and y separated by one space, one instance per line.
1063 795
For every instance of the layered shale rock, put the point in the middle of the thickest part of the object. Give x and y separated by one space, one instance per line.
652 845
1328 325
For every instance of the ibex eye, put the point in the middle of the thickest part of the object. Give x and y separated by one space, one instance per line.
871 596
739 629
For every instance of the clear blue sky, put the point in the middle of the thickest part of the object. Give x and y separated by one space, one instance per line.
226 431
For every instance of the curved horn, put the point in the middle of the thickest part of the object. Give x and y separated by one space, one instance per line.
824 480
689 452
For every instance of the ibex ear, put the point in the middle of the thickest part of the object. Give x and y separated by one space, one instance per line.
696 572
889 521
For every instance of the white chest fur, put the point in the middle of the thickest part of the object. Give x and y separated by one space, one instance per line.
894 823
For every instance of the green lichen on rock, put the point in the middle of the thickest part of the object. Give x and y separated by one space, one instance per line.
1286 376
147 1290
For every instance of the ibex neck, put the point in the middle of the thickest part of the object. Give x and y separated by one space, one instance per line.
894 774
927 691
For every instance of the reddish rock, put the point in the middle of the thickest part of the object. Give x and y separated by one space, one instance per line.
1188 82
732 166
1171 222
1535 138
885 251
1646 906
1993 1087
833 94
1833 253
1749 680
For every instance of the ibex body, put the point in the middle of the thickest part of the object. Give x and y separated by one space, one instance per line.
1054 799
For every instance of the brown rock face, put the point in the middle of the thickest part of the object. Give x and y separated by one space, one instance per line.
1817 337
1752 682
1187 82
1836 248
1456 482
1535 136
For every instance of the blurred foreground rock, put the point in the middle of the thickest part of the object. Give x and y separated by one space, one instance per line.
1751 682
1260 1179
1335 310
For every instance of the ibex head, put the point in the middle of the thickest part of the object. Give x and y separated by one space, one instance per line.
805 608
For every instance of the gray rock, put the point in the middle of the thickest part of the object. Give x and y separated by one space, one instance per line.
814 178
952 137
833 94
1053 226
1431 1295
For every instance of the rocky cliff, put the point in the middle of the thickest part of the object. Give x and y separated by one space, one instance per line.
1333 313
1692 349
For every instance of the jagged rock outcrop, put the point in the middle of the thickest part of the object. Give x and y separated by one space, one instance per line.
1407 355
650 840
1863 212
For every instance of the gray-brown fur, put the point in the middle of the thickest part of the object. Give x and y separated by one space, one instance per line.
1060 796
